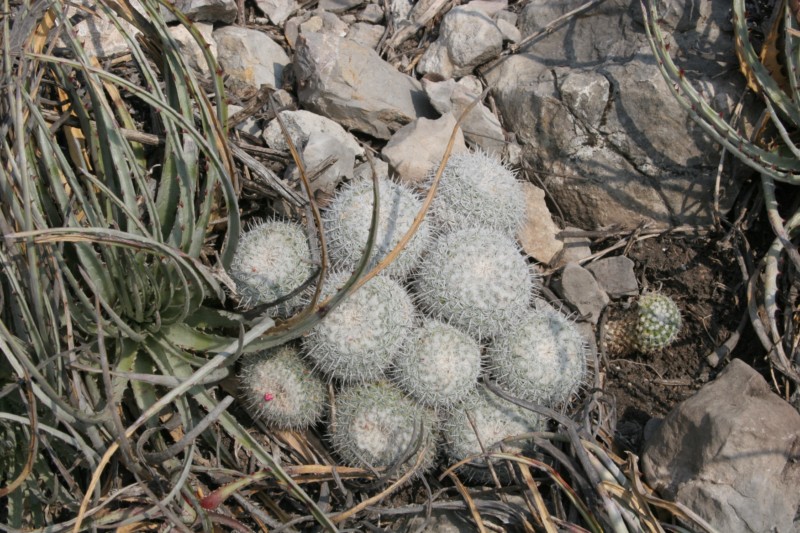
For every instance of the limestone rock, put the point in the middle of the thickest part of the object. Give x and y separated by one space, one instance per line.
250 56
416 149
573 249
278 11
372 14
208 10
578 287
481 128
98 35
190 48
367 35
338 6
538 236
595 114
352 85
318 149
301 124
731 453
467 38
250 125
615 276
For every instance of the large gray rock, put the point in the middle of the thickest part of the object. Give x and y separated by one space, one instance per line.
250 56
278 11
352 85
208 10
300 125
468 37
731 453
600 122
191 49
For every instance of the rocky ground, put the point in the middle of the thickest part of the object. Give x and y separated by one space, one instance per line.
625 194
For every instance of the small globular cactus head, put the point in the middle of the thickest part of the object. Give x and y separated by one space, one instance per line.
439 365
356 341
479 424
542 359
477 280
347 223
280 389
272 260
653 324
476 189
375 425
658 323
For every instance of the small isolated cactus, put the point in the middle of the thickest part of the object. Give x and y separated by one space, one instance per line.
477 280
476 189
542 359
273 260
439 366
357 341
347 222
480 423
281 390
377 426
650 326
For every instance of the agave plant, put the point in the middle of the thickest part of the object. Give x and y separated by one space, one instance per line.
776 163
114 324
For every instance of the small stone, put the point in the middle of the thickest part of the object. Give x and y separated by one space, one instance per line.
338 6
417 148
579 288
615 275
250 56
208 10
574 249
372 13
278 11
250 125
364 170
324 22
300 125
318 149
509 30
538 236
731 453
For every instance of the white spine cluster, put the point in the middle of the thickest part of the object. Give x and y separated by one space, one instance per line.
377 426
357 341
476 189
439 366
347 222
279 389
477 280
273 260
482 422
542 359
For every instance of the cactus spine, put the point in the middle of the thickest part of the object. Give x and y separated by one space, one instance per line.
650 326
357 341
273 260
477 280
279 389
375 425
439 366
347 223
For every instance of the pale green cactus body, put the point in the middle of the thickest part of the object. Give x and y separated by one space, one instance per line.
480 423
357 341
652 325
542 359
439 366
477 280
347 223
477 190
377 426
658 323
272 260
278 388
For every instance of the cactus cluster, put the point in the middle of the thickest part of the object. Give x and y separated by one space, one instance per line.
272 261
377 426
476 279
347 223
281 390
652 325
410 346
356 342
478 190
